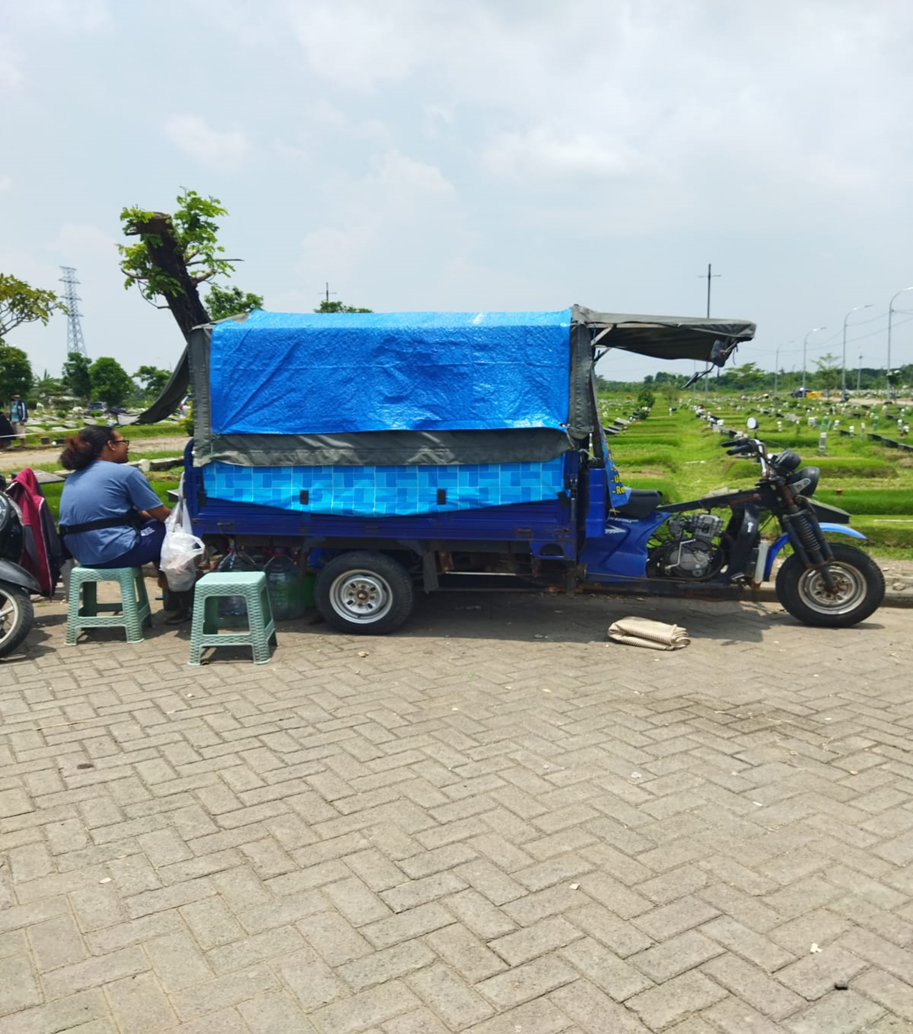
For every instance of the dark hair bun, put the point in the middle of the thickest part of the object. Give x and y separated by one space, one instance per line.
85 447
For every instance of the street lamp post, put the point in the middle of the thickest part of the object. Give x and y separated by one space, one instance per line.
845 318
814 330
777 365
887 371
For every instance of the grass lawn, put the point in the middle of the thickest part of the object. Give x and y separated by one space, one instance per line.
680 454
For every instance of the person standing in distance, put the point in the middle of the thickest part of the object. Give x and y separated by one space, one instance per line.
19 416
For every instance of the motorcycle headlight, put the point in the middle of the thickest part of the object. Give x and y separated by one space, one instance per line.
805 480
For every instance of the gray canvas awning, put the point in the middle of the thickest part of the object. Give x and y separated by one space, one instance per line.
666 337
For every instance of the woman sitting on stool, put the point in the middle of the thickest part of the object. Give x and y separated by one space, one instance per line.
109 516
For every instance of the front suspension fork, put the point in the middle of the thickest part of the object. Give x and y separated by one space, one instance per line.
809 543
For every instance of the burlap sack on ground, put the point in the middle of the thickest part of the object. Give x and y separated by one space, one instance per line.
654 635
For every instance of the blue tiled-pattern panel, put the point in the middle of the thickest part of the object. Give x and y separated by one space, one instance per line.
386 491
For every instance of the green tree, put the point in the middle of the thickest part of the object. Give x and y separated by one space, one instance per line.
174 255
21 303
110 381
223 302
152 380
47 388
76 377
746 376
829 372
15 372
326 306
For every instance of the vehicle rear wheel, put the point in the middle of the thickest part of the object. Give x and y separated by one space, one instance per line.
16 616
860 589
364 593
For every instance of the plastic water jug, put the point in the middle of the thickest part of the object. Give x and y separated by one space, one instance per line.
282 586
234 560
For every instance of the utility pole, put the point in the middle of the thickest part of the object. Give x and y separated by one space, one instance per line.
710 276
777 364
859 374
328 292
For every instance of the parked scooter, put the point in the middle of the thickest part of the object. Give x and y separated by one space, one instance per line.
822 583
16 584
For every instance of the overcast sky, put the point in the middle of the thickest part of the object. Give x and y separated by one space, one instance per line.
477 155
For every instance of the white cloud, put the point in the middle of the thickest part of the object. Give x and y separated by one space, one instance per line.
6 184
400 222
77 240
596 90
11 75
81 15
438 119
545 152
334 252
399 194
212 147
403 177
356 45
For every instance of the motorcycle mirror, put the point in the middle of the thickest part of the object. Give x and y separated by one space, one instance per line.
752 423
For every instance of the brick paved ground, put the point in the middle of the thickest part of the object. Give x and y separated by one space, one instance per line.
492 822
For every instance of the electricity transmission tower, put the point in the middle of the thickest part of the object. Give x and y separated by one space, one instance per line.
75 341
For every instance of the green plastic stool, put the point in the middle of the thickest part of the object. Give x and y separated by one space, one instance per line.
261 629
134 602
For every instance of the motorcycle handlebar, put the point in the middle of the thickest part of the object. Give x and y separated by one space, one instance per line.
749 447
735 448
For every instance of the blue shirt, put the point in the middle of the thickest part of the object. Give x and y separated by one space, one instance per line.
102 490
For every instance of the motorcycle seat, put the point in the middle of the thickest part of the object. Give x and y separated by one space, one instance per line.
641 503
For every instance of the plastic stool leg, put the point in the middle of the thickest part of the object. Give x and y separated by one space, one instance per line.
260 648
72 612
197 627
132 624
143 598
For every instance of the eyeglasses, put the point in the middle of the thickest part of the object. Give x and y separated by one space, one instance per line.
118 441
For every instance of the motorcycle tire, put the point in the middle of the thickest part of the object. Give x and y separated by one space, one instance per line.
16 617
860 592
364 593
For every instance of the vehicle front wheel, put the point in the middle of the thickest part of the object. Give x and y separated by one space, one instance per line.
860 589
16 616
364 593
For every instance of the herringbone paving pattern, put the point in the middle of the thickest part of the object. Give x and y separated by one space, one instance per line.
492 822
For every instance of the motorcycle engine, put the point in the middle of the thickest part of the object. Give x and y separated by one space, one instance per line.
690 551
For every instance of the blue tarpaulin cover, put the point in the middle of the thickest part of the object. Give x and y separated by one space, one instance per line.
351 372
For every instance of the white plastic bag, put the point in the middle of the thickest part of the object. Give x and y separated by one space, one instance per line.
181 548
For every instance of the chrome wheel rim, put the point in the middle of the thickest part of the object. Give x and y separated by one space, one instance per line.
851 590
361 596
